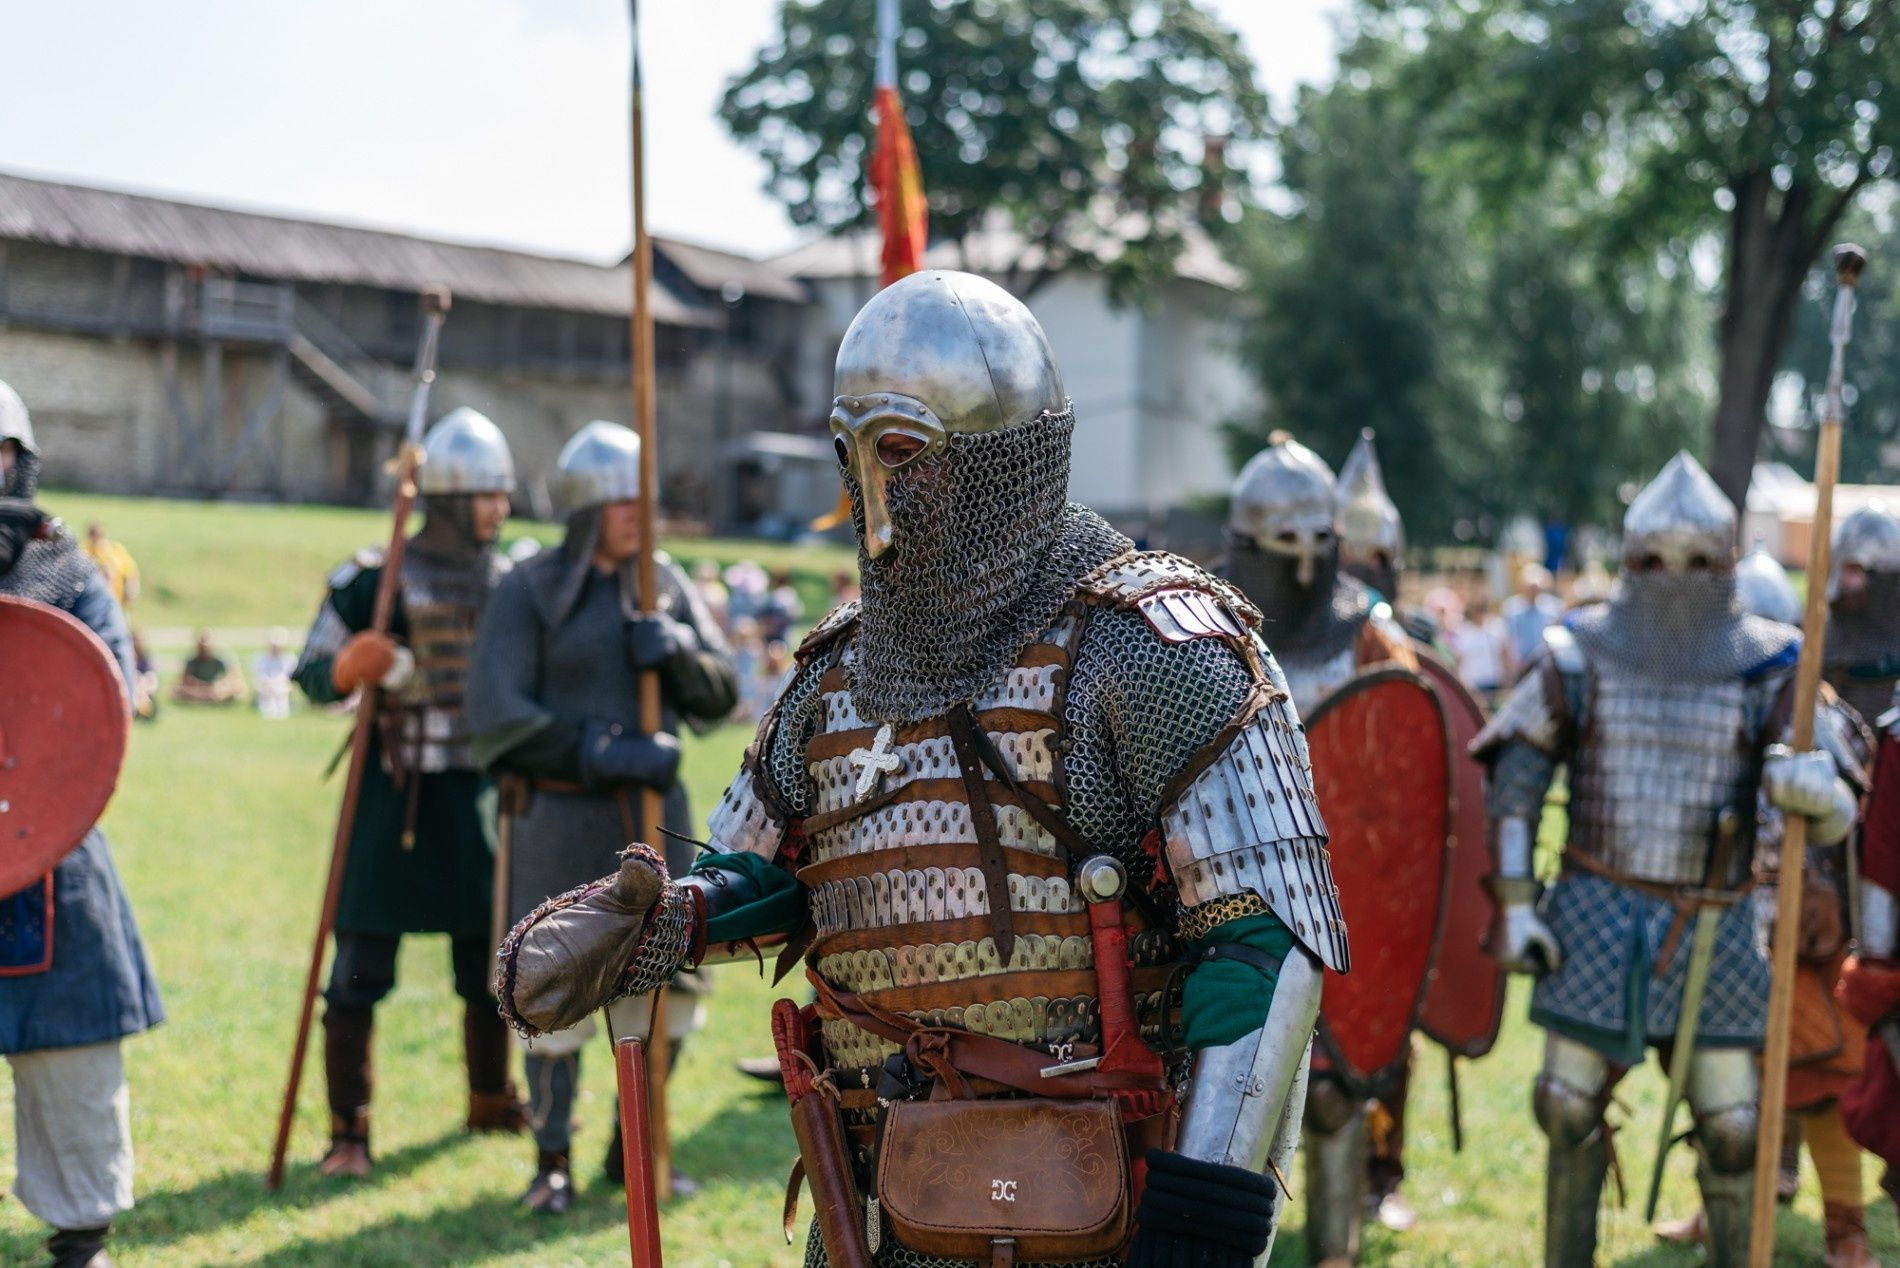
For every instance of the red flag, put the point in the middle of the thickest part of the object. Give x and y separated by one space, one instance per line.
900 188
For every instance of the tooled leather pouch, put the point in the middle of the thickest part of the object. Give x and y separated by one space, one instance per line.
1002 1181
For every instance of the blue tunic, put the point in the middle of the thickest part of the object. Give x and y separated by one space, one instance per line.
99 985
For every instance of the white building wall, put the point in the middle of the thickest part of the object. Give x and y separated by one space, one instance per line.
1193 382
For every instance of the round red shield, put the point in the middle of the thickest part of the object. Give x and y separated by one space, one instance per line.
1464 994
1381 767
63 729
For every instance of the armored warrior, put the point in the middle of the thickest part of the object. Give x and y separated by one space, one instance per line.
1033 773
74 980
554 705
1863 626
1666 705
1870 985
1286 532
422 847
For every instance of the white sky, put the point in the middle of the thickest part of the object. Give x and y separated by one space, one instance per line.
490 120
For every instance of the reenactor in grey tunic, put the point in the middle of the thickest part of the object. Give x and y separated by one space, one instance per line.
1666 705
554 703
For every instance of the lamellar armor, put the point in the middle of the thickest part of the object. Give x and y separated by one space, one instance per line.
1020 692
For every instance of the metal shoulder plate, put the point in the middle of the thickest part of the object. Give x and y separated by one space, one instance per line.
837 623
356 565
1246 821
1180 601
1563 649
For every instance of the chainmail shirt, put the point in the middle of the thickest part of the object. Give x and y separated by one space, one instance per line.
1679 628
52 571
987 550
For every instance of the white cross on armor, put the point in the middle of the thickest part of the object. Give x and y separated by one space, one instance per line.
875 762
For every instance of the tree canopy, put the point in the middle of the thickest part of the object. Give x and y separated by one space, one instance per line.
1083 124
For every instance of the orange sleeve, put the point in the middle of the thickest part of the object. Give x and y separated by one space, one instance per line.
1379 643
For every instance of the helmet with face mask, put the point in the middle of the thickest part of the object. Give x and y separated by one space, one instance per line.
1675 615
21 478
1371 535
1863 591
1283 553
952 431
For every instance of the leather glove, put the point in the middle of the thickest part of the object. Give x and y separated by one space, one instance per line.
1807 784
1201 1214
1529 945
566 959
612 757
370 657
20 523
654 640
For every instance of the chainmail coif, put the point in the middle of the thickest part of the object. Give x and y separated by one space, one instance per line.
1863 643
1299 622
986 549
1679 628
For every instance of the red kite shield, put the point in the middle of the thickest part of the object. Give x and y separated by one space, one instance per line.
1382 769
1464 994
63 729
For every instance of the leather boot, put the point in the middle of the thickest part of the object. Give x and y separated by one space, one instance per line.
552 1190
347 1072
494 1103
80 1247
1846 1228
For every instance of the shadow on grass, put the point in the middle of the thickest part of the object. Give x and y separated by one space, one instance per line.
489 1226
165 1216
736 1144
1798 1240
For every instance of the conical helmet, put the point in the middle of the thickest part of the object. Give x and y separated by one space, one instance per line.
466 453
598 465
1283 502
1680 522
1868 539
1368 520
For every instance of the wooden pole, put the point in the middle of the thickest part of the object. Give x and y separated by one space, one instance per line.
652 802
408 459
1849 260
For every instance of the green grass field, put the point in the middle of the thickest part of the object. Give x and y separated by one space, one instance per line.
221 828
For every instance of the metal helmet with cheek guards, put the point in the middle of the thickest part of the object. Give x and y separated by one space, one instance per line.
466 453
934 355
1681 521
1371 534
598 465
1862 658
21 480
1765 588
1284 502
953 432
1868 539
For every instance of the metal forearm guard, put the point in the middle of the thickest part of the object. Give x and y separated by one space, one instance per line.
1515 882
1878 937
1240 1095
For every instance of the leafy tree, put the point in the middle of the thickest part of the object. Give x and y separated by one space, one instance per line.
1064 116
1688 119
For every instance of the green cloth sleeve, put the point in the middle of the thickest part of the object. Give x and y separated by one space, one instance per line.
354 603
1223 1000
759 898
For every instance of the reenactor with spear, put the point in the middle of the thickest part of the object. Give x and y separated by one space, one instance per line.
415 844
1668 706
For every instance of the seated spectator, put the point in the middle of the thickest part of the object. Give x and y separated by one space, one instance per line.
712 592
208 678
844 587
145 702
115 563
745 590
270 676
748 657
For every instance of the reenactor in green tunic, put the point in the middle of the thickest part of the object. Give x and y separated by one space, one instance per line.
422 848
